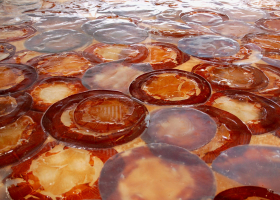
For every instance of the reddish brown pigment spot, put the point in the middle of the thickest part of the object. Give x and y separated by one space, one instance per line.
171 87
64 64
242 77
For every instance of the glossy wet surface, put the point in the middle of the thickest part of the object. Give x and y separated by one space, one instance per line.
112 76
180 127
209 46
64 64
251 109
250 165
170 87
47 91
69 61
57 41
156 171
16 77
106 119
63 182
223 77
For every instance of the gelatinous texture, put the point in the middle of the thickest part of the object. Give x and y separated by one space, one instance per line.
57 41
63 64
136 9
224 77
170 87
97 118
271 25
247 192
260 114
20 138
173 28
22 6
14 33
94 25
209 46
100 53
16 77
79 7
169 14
250 165
59 22
234 29
266 41
164 55
15 19
134 20
115 31
122 34
272 58
47 91
113 76
231 131
273 13
273 74
105 114
204 17
244 13
21 57
7 105
264 4
168 3
12 135
6 51
13 106
58 171
180 127
247 54
156 171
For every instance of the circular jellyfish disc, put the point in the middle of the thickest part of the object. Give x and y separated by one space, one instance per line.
226 77
156 171
101 53
6 51
136 10
180 127
260 114
59 22
123 34
60 64
209 46
170 87
204 17
15 33
13 106
162 55
16 77
113 76
251 165
244 13
21 138
169 28
234 29
96 119
59 172
273 75
58 40
46 92
266 41
245 192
